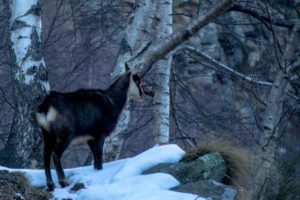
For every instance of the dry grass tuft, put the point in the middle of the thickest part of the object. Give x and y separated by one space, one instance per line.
238 160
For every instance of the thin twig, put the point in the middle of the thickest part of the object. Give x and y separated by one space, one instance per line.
276 43
225 68
261 17
5 99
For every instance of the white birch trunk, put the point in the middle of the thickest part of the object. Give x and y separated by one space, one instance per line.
26 30
30 84
161 101
135 39
139 34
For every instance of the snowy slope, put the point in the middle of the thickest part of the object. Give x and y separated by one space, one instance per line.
120 180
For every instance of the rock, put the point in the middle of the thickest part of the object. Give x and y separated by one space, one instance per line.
199 175
209 166
208 188
77 186
14 185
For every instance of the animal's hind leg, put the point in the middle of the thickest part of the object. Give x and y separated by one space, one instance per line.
57 163
47 159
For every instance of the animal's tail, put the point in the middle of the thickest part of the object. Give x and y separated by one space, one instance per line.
237 159
46 114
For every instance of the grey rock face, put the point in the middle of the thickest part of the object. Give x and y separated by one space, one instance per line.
201 176
209 189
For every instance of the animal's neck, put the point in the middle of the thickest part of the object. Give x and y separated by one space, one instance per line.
118 93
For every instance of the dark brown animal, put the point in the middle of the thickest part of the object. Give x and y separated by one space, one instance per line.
86 114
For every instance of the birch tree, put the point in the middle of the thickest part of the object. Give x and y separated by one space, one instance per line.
150 21
138 50
30 84
161 101
137 36
273 113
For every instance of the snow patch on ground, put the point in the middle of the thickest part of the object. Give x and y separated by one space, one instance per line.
121 179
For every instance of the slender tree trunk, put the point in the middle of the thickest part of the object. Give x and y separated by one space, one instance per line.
137 36
143 53
269 135
272 115
161 101
30 84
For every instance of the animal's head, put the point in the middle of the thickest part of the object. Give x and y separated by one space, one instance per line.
135 90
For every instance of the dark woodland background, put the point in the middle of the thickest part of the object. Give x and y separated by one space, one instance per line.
80 43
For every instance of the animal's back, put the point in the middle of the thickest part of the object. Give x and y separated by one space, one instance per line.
85 110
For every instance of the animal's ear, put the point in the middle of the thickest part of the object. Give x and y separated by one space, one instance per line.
127 67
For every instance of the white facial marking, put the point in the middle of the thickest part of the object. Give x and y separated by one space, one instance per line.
133 91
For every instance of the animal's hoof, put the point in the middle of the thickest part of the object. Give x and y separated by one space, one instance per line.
98 167
50 186
64 183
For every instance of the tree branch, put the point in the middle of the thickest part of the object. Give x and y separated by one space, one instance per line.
5 99
261 17
159 49
225 68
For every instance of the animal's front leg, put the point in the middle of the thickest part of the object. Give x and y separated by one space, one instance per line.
97 150
100 153
93 146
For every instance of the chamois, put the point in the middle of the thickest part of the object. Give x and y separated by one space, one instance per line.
86 114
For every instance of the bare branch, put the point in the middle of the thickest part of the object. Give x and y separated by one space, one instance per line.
5 99
225 68
277 48
261 17
162 47
293 96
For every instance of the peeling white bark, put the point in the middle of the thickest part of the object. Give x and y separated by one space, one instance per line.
25 28
29 84
161 101
135 39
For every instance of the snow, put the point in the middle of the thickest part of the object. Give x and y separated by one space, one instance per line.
121 179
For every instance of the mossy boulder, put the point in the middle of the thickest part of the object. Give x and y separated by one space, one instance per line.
15 186
209 166
200 175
